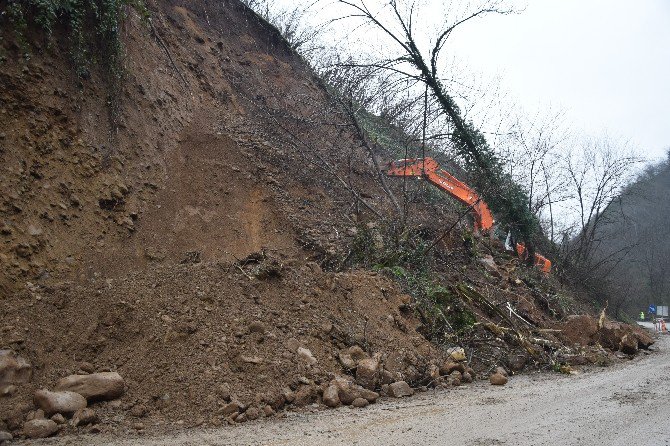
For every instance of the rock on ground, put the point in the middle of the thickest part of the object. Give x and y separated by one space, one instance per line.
330 396
399 389
360 402
350 357
347 391
96 386
306 356
253 413
14 369
39 428
64 402
85 416
628 344
457 354
305 395
230 408
367 372
498 379
449 366
59 419
5 436
369 395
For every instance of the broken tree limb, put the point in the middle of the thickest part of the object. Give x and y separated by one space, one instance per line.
167 51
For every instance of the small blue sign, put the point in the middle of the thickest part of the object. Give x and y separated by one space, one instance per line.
652 309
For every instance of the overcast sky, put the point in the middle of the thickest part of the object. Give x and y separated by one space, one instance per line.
606 62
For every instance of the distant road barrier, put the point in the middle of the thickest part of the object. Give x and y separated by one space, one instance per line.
659 325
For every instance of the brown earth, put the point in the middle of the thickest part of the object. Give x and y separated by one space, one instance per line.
124 229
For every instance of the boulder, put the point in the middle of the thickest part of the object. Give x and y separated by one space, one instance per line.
644 341
350 357
64 402
305 395
517 362
357 353
457 354
346 360
241 418
39 428
5 436
14 369
360 402
94 387
498 379
275 400
578 329
306 356
253 413
347 391
628 344
385 377
399 389
331 396
449 366
611 334
59 419
367 372
288 394
230 408
369 395
501 371
85 416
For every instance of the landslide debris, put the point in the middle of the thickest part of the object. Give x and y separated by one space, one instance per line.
191 256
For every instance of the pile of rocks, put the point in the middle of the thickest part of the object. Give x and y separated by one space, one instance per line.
68 402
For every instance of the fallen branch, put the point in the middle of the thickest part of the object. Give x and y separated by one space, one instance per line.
167 51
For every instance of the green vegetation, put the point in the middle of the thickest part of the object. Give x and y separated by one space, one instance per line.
404 258
90 27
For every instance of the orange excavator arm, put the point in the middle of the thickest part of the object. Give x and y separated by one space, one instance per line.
429 169
540 261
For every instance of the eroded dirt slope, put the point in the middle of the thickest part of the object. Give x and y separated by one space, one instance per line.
122 231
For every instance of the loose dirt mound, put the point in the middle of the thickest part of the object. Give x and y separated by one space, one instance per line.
179 334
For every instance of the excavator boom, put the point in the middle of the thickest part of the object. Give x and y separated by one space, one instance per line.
429 170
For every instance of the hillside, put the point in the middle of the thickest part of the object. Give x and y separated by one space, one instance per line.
632 245
205 229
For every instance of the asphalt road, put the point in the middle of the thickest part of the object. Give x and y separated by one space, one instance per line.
626 404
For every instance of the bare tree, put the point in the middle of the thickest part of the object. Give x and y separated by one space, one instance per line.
532 148
416 60
293 24
598 171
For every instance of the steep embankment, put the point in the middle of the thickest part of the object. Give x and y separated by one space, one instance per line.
185 228
122 231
